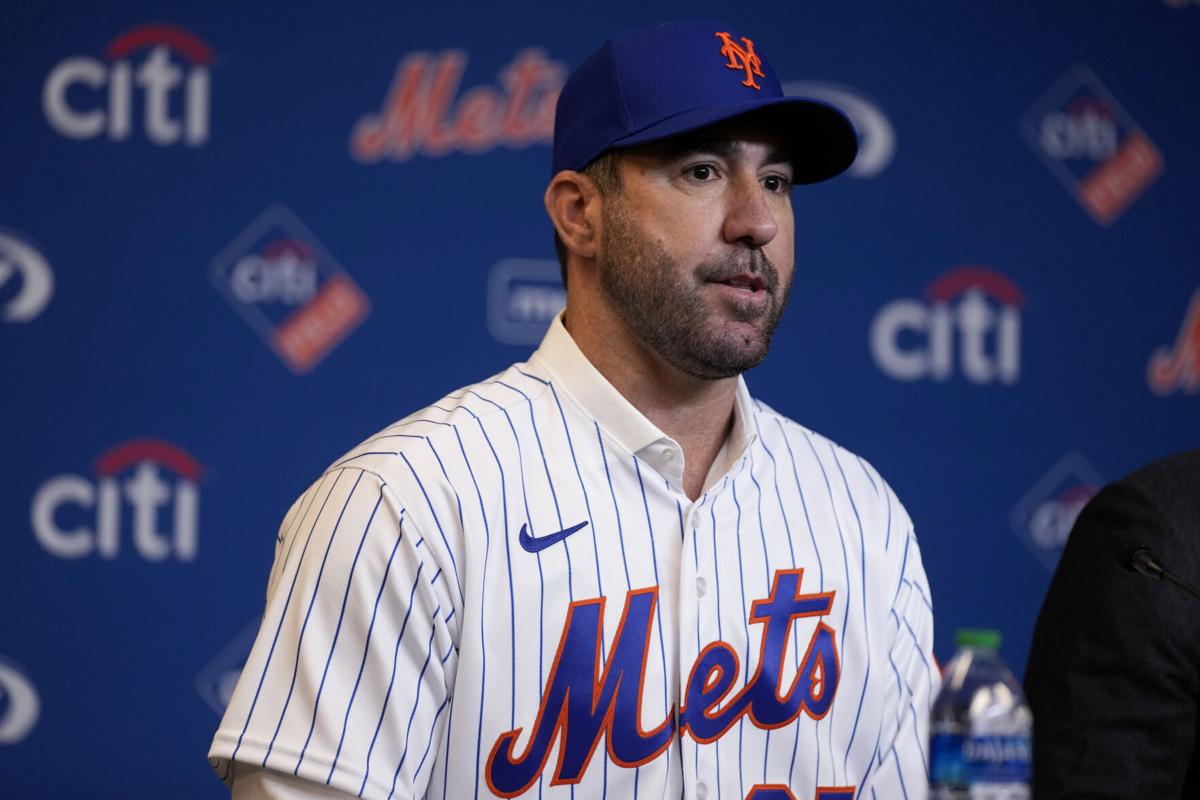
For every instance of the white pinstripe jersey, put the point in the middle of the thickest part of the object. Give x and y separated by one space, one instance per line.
508 593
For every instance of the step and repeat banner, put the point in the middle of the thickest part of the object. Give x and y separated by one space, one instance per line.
235 241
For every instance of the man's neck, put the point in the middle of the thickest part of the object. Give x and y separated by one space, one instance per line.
696 413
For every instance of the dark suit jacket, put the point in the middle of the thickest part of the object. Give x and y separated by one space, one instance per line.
1114 672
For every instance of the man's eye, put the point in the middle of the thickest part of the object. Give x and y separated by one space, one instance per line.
776 183
701 172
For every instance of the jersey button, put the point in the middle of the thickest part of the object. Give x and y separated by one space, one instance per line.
668 454
701 791
701 589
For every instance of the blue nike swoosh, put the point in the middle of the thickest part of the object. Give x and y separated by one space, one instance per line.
534 545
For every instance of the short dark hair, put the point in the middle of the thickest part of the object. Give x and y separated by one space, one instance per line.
605 172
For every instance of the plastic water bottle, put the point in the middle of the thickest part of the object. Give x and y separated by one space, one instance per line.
980 731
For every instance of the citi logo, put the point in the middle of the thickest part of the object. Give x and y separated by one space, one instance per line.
289 288
969 324
422 113
1043 518
22 266
19 704
86 97
285 272
1051 521
145 488
1086 129
1095 149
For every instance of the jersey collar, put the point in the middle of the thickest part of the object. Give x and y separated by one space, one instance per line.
569 368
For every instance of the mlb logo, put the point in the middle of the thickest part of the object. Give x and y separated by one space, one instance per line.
1094 148
1177 368
524 297
289 289
1045 515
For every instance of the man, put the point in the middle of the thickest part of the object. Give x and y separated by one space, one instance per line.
1114 671
608 571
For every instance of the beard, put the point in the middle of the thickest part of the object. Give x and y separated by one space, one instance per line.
670 310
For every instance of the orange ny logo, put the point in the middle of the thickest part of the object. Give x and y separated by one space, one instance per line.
741 58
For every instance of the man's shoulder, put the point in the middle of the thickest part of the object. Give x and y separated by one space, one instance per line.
1162 495
819 458
450 424
1173 476
776 426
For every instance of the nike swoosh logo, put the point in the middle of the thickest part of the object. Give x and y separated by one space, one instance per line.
535 545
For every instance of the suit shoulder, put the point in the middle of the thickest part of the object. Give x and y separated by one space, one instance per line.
1160 498
1173 476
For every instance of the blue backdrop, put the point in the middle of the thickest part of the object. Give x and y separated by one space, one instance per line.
234 241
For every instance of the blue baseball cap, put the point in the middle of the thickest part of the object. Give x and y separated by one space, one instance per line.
654 83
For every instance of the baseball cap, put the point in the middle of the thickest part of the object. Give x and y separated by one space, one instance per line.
653 83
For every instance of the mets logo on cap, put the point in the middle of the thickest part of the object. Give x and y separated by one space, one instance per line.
743 58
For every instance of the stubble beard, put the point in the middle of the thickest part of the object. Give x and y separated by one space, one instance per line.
667 311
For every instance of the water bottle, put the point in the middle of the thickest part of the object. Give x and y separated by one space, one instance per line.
980 731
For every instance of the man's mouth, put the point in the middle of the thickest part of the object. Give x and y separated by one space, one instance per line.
745 281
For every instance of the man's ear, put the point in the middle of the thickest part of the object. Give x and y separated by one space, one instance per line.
574 205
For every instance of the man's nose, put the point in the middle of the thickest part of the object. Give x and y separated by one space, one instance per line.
748 216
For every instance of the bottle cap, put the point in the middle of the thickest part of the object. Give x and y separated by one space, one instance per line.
981 638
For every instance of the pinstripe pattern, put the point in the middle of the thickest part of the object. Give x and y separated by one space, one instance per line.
406 629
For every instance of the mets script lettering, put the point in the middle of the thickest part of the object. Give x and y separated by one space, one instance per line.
424 115
741 58
580 702
1178 368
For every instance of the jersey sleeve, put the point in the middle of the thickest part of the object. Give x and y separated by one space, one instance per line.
251 782
349 679
900 767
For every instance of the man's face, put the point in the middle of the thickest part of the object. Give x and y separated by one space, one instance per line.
696 254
